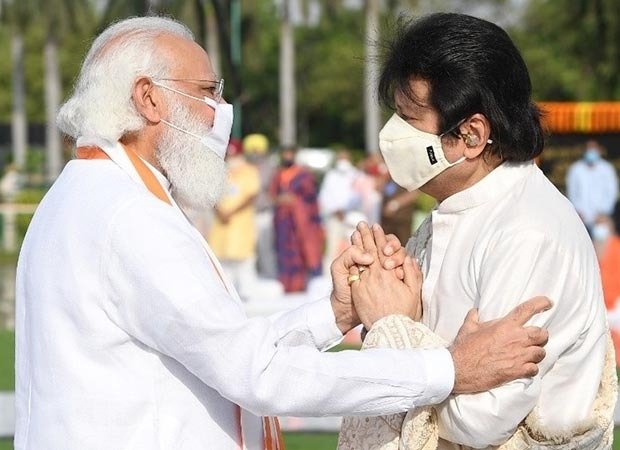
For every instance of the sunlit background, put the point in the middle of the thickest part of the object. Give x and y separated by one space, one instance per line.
297 72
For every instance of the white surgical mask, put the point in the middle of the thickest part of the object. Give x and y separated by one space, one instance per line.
413 157
343 165
218 136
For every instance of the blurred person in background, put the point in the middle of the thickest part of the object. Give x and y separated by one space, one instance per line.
369 185
233 232
606 237
398 210
256 149
592 185
466 131
298 232
10 184
337 198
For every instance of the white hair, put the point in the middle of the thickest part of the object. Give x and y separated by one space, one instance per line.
101 104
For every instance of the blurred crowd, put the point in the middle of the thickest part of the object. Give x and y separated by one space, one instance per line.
281 222
592 187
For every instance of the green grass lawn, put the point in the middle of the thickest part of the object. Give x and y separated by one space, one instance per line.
7 361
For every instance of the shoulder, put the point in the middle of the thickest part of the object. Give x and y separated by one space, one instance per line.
537 213
142 220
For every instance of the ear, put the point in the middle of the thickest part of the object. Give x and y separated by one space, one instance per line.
475 133
147 100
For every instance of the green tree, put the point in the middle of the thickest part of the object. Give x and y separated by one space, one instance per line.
16 14
572 48
60 18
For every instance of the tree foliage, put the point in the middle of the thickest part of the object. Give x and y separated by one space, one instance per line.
572 48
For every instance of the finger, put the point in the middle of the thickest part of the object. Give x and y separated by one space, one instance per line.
537 336
395 260
392 244
368 241
413 277
352 257
530 370
536 354
400 273
356 239
380 241
472 317
526 310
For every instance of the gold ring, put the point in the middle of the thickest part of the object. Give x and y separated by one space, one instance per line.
353 278
361 268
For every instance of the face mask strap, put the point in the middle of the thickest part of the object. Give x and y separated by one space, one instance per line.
194 135
209 101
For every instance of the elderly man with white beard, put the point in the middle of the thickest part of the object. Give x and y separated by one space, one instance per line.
128 335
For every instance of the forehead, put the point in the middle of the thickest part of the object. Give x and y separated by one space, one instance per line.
189 59
415 96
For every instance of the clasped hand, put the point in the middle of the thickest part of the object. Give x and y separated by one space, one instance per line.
374 278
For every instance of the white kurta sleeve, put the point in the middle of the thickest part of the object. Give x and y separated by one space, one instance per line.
163 291
520 265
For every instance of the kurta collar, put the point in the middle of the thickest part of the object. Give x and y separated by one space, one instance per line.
496 183
116 152
160 176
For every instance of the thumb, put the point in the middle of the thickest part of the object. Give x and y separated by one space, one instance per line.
413 276
472 318
354 256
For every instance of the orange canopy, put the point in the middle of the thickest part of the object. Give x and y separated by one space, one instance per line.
581 117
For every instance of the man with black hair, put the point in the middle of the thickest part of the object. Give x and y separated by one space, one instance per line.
465 131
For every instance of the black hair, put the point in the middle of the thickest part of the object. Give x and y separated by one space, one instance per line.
472 66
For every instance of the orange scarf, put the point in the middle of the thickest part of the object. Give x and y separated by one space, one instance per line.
272 436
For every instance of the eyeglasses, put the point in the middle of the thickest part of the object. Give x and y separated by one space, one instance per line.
214 88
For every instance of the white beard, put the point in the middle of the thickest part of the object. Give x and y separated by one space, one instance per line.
196 174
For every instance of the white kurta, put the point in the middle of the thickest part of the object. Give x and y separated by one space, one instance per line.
592 189
510 237
126 337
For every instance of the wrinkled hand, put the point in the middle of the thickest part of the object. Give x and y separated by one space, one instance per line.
346 316
393 256
380 291
388 249
489 354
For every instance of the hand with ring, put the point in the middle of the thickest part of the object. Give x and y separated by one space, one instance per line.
393 256
378 292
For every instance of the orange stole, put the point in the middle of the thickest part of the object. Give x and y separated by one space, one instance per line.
272 436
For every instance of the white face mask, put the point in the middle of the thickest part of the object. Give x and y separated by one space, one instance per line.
601 232
218 136
413 157
343 165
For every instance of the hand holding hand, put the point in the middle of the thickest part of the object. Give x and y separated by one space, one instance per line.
492 353
380 292
346 316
